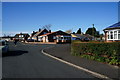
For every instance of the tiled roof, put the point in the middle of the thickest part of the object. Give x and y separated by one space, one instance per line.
53 32
47 34
77 35
37 33
116 25
82 36
33 34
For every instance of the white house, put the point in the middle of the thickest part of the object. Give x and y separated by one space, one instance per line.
112 33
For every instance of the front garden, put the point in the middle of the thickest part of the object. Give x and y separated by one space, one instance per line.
99 51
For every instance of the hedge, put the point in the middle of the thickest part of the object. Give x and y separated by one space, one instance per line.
103 52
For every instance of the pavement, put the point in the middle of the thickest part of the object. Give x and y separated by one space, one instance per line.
63 51
25 61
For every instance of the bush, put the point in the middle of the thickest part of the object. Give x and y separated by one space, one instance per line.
103 52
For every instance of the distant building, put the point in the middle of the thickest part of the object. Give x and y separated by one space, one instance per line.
112 33
57 37
81 37
21 36
7 38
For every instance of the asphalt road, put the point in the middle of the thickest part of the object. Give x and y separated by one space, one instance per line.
64 52
27 61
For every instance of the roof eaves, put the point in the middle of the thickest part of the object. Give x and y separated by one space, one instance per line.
114 26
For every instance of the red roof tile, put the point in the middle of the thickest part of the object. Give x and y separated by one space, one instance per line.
47 34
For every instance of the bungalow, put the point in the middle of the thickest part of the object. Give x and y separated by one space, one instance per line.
35 35
77 36
112 33
57 37
21 36
81 37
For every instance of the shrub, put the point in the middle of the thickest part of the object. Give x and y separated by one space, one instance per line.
103 52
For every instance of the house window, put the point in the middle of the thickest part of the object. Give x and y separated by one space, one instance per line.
20 35
62 38
65 38
54 37
40 37
108 35
115 34
111 35
119 34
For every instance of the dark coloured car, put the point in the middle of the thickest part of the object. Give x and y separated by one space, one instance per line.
30 40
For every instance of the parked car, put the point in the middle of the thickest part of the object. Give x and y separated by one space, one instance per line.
86 39
30 40
4 46
77 39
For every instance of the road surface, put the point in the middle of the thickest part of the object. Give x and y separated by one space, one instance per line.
27 61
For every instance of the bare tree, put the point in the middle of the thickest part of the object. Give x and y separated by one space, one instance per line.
6 35
47 27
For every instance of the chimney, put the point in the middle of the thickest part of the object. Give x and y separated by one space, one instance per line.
49 31
39 29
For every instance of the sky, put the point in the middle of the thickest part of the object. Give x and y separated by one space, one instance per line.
30 16
60 0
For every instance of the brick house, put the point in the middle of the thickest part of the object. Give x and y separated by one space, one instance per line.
112 33
57 37
21 36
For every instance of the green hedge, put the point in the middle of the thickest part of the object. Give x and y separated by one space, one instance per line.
103 52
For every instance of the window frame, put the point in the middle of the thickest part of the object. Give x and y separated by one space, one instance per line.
114 33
